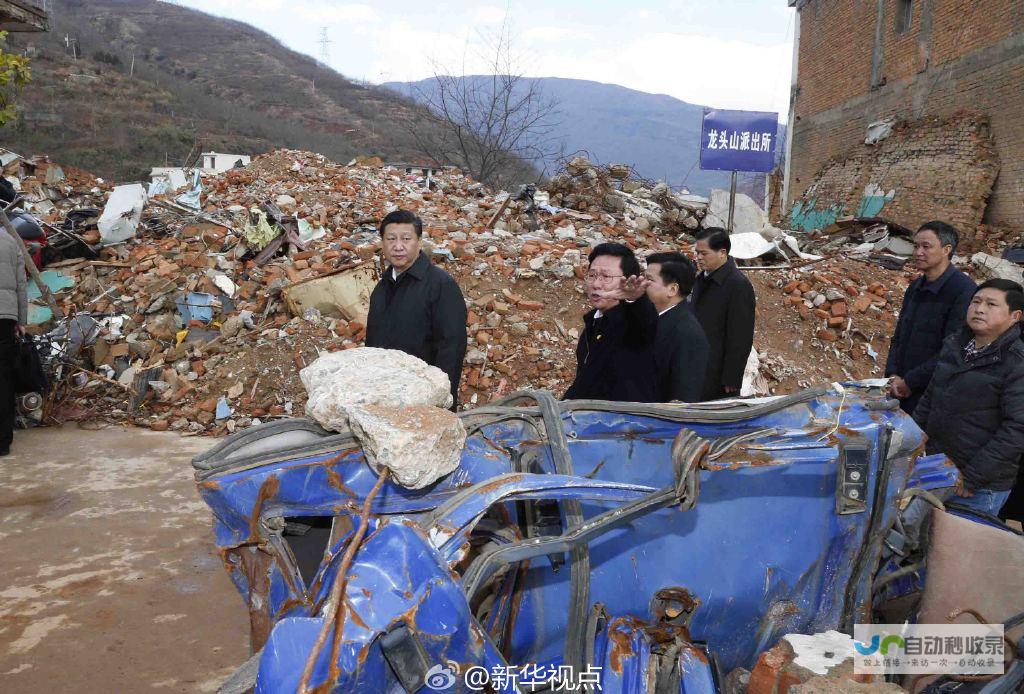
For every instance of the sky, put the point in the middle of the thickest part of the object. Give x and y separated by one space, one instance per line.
720 53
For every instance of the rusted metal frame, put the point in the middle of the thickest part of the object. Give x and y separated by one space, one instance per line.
579 567
334 612
721 446
488 562
865 564
448 526
701 414
689 450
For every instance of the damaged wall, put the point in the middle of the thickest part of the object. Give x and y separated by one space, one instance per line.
930 169
858 64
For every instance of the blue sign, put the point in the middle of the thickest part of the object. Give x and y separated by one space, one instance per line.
738 140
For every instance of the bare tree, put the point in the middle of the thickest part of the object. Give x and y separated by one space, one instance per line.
487 125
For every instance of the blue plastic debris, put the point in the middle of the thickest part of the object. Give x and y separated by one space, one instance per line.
196 306
56 281
191 197
636 547
223 408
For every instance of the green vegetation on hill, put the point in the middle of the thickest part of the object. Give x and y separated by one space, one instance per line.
152 79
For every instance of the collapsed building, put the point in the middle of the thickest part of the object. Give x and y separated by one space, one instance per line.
195 311
910 110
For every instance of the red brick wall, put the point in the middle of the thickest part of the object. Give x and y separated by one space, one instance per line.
972 57
938 168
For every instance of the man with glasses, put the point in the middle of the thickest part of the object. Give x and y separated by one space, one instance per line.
614 356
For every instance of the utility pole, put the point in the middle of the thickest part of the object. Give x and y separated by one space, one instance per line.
325 51
72 43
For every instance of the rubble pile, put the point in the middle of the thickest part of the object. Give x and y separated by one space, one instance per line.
827 321
201 320
50 188
190 325
642 206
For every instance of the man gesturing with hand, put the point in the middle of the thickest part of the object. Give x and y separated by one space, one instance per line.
615 353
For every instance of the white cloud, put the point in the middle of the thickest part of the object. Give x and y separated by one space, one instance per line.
698 69
545 34
332 13
489 15
749 70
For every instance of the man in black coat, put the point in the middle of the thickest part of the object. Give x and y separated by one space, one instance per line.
724 303
614 356
973 409
417 307
680 349
934 307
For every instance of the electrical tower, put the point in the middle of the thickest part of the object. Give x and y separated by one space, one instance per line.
325 51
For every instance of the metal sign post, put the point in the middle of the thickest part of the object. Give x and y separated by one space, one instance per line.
732 201
737 141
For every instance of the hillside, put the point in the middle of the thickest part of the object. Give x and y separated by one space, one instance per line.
657 134
194 76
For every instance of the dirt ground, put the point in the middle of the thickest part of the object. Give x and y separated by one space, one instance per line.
111 581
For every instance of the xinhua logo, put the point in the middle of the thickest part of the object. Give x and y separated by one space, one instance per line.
878 642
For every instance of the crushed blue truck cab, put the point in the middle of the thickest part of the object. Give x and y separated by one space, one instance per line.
647 547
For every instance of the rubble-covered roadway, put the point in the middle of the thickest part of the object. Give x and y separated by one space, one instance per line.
195 334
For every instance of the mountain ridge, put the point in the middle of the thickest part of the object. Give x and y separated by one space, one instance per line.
657 134
149 80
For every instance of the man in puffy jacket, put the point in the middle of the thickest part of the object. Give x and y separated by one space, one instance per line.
973 409
13 315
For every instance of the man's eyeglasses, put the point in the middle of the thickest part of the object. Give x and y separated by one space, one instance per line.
600 277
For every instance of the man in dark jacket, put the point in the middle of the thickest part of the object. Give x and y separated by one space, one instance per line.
973 409
614 359
724 303
680 350
417 307
934 307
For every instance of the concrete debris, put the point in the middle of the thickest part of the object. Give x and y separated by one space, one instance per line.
392 402
748 217
604 191
339 381
879 130
990 267
418 444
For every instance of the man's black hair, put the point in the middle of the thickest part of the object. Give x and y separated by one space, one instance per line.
667 257
627 259
1014 292
402 217
947 233
7 192
717 238
675 267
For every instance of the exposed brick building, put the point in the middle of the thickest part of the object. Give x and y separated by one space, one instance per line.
916 61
